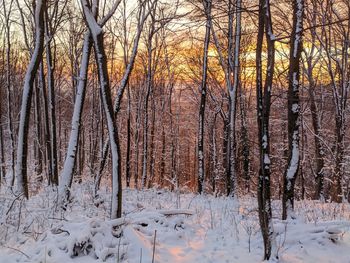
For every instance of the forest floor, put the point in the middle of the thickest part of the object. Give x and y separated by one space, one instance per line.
186 228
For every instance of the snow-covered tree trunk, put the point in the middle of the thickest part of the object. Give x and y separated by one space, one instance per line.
142 16
22 146
231 68
71 156
293 110
203 92
263 95
101 60
69 163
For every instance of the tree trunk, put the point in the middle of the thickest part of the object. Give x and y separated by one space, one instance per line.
293 111
152 158
69 163
203 90
263 114
46 120
8 92
22 147
245 142
2 155
52 106
101 60
128 142
38 147
233 69
149 89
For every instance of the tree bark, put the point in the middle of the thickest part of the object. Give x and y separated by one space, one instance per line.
52 104
263 114
293 111
203 90
101 60
69 163
22 147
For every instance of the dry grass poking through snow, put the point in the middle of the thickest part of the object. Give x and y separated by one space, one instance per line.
189 228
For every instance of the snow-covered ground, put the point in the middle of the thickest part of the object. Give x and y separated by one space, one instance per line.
185 228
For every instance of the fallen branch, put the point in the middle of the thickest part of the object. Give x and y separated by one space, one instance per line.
176 212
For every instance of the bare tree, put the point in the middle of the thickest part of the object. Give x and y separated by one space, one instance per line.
7 13
233 70
293 110
22 147
312 57
142 16
203 95
101 60
69 164
263 97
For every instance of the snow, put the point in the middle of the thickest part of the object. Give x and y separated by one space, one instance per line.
267 159
202 229
295 107
294 162
94 27
299 26
264 141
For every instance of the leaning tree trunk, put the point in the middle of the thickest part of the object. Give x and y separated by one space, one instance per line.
101 60
74 139
22 147
123 84
293 110
203 90
69 163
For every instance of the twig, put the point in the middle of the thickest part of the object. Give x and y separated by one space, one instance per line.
154 245
17 250
14 200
